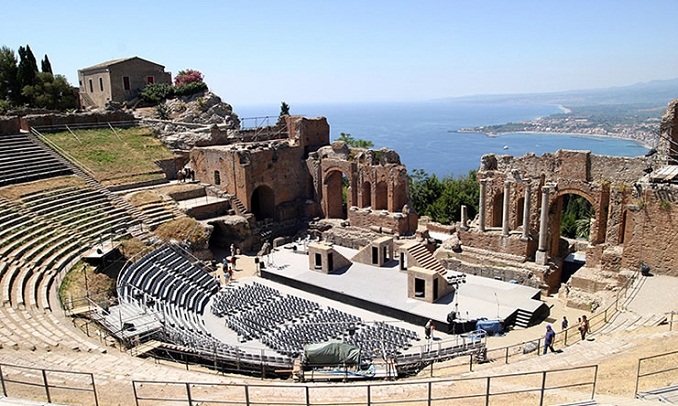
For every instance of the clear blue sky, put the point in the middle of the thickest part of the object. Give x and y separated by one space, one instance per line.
255 52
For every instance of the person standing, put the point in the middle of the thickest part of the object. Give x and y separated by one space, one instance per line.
428 329
584 327
564 323
549 338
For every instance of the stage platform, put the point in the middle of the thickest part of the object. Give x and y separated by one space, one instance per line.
383 290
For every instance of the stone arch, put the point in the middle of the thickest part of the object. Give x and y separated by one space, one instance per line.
333 194
381 196
555 216
366 194
262 203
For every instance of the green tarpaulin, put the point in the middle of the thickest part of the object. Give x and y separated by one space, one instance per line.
331 353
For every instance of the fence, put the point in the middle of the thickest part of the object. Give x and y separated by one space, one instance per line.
564 338
670 319
54 386
657 371
544 387
83 126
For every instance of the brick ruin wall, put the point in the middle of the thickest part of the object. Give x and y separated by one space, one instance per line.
650 236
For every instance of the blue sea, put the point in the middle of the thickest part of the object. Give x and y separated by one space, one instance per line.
425 133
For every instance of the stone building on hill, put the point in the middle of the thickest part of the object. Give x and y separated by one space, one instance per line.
119 80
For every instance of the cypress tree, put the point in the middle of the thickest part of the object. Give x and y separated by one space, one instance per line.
28 71
46 67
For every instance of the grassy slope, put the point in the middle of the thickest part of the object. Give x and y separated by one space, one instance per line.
127 159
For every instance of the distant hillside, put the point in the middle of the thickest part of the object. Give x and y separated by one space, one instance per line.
648 94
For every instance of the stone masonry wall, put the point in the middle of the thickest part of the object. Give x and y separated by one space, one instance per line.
9 125
651 232
75 119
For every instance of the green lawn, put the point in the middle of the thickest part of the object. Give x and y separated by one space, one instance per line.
115 160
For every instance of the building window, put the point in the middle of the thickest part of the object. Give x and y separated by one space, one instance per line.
150 80
217 178
125 83
91 87
101 84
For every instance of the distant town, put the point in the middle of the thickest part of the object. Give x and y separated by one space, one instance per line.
628 122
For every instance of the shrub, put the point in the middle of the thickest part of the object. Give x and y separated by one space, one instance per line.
187 76
156 92
190 89
162 112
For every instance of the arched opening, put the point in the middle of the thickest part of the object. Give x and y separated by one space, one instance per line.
573 216
497 210
520 212
336 194
263 203
366 194
217 178
381 196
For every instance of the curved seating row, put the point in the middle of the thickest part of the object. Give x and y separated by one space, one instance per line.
43 232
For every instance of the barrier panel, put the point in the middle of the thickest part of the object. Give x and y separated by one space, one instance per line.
53 386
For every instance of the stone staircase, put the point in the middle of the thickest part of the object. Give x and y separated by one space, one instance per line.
238 206
422 257
523 318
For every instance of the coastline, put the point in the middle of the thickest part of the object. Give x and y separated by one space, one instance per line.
574 134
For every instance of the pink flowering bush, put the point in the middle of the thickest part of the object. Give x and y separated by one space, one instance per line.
187 76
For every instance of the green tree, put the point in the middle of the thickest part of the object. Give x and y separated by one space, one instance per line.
575 221
284 109
46 66
353 142
9 86
442 199
50 92
27 71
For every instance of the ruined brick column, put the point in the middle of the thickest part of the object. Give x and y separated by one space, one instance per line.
526 213
505 209
481 205
541 256
464 217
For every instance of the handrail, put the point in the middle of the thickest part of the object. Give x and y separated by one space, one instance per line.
72 133
57 383
672 368
411 391
114 132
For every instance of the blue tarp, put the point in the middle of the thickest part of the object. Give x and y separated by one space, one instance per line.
490 326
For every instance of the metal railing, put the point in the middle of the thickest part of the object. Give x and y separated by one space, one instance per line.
564 338
666 363
542 387
51 384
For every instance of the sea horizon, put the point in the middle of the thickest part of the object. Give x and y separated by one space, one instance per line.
426 134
